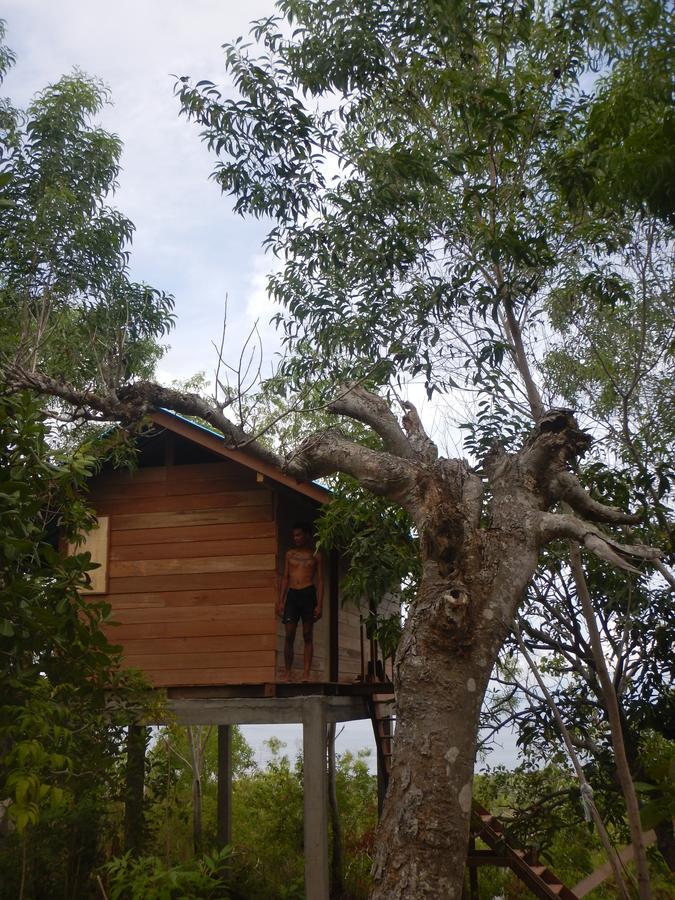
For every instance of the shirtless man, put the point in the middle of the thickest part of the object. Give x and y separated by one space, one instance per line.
301 596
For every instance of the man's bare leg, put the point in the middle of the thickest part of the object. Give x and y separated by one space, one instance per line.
307 634
291 628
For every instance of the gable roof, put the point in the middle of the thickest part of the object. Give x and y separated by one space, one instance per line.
214 441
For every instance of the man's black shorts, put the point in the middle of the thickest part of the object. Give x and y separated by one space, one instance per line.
300 604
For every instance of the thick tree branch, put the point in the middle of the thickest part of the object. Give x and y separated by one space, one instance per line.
561 525
565 486
330 451
611 702
133 402
417 436
586 792
319 455
360 404
520 358
555 443
667 574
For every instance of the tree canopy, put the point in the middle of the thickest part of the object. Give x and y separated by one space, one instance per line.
409 156
69 307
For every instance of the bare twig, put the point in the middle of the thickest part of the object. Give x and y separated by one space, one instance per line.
219 351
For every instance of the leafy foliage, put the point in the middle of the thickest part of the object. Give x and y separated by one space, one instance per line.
377 540
628 149
58 673
415 207
540 808
137 879
267 853
66 300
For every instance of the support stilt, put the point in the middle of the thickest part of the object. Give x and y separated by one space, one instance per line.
381 713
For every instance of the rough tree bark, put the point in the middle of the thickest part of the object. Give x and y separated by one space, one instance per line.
480 537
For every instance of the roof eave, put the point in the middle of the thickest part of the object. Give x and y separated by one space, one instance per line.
198 434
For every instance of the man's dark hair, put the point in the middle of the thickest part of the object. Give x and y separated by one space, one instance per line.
302 526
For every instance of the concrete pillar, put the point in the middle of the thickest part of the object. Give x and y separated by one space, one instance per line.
317 884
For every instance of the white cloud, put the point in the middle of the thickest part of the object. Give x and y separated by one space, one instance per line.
187 240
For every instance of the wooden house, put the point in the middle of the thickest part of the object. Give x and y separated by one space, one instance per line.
191 546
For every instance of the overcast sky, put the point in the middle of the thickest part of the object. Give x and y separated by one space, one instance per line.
187 242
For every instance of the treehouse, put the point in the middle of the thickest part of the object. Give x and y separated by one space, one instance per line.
191 548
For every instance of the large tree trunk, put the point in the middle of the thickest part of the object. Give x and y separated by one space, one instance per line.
445 658
475 573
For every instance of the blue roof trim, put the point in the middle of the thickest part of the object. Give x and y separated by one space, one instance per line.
170 412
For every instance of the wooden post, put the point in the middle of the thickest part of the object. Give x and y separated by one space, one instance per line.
224 785
317 886
382 731
334 617
473 872
133 794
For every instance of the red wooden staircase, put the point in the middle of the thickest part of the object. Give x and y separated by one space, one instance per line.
502 851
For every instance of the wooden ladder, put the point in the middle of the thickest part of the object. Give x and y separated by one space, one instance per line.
538 878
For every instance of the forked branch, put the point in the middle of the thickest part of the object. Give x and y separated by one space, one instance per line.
565 486
419 439
330 451
132 402
563 525
319 455
360 404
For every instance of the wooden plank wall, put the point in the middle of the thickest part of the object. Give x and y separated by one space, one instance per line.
192 572
349 635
